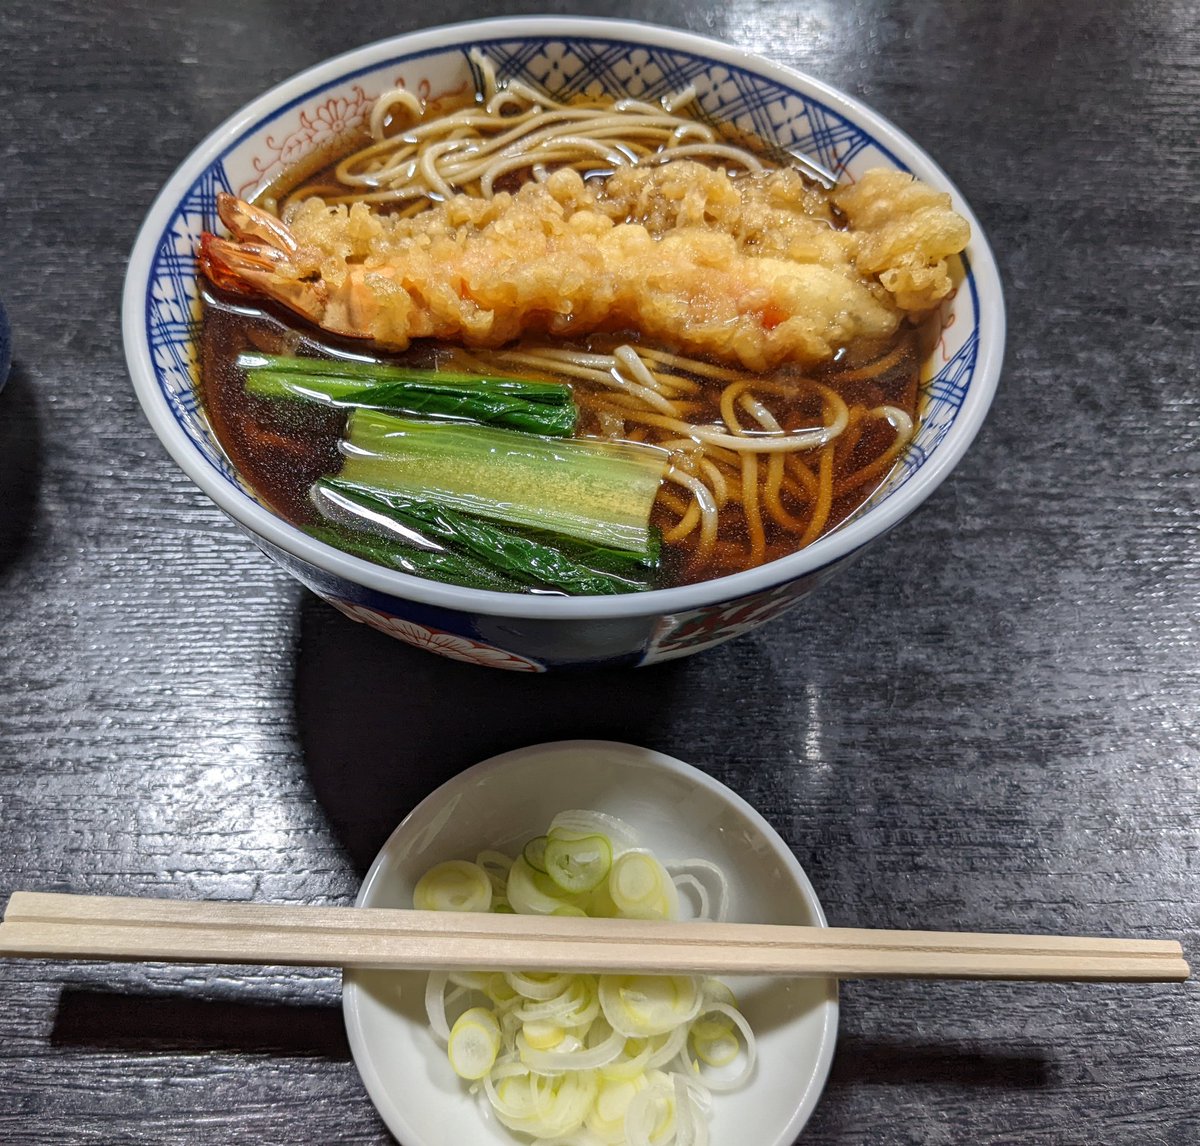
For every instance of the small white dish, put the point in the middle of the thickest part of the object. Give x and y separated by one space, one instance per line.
679 812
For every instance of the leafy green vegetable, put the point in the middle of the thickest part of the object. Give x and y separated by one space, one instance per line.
463 401
593 491
368 374
521 404
522 558
434 564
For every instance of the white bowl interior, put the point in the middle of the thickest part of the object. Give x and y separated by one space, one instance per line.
680 813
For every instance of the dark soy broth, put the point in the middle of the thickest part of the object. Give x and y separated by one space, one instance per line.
281 448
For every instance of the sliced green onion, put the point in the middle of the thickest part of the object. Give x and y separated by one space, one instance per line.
632 1064
500 990
470 980
586 1060
666 1047
689 1129
540 1034
474 1043
650 1117
576 823
596 491
717 992
641 888
535 854
497 866
607 1119
721 1083
543 1107
576 1006
578 865
457 885
435 1005
643 1005
547 1061
710 883
532 892
538 984
714 1043
599 904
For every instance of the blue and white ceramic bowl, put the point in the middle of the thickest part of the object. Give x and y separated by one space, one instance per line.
513 631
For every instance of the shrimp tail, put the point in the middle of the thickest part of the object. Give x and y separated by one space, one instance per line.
261 259
245 221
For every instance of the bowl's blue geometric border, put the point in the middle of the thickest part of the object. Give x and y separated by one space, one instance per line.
564 66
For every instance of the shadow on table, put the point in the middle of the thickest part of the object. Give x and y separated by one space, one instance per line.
861 1062
100 1020
20 465
382 725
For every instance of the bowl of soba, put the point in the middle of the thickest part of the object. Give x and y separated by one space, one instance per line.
562 343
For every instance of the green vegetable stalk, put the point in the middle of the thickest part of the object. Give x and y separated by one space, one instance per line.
525 559
520 404
597 492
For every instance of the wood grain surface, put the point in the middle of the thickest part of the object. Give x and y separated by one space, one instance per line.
989 723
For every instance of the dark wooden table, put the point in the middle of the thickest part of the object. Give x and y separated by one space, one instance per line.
989 723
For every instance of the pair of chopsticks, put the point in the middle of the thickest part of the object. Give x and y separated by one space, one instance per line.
38 925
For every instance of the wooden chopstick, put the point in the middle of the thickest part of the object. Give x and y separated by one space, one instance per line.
45 925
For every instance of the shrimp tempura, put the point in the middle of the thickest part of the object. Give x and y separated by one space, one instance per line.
751 271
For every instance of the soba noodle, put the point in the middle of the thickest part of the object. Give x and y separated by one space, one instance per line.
717 464
514 128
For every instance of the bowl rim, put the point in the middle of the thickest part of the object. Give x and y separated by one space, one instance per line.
393 1115
834 547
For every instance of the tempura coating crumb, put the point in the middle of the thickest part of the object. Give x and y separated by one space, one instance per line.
904 232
